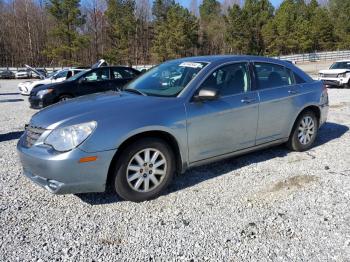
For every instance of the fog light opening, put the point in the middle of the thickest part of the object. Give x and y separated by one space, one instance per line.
53 185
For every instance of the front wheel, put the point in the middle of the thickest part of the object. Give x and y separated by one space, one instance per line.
64 98
304 132
144 170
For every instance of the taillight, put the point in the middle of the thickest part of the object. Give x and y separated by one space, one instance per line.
324 94
324 89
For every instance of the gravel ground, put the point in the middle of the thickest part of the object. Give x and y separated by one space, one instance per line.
273 205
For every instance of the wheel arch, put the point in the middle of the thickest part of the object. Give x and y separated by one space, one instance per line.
314 108
166 136
63 94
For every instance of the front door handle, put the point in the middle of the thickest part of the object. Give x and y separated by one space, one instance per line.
248 100
293 92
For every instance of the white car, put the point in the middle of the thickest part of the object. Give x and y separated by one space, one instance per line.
26 87
23 73
337 75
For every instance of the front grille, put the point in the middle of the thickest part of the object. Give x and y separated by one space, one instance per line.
32 135
330 75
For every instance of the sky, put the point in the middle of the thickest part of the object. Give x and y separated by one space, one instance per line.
187 2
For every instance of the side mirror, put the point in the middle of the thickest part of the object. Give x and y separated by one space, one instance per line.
206 94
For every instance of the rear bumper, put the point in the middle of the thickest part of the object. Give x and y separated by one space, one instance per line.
61 173
324 114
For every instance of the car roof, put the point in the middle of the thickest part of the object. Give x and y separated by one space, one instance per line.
343 61
221 59
229 58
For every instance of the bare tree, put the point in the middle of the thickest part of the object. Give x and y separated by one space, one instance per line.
143 36
94 28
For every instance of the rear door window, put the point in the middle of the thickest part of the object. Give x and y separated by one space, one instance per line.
272 75
116 73
123 73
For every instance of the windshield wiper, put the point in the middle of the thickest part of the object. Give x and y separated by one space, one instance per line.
131 90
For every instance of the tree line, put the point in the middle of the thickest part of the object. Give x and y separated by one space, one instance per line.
74 32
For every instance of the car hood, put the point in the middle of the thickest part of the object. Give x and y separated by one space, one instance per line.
35 71
46 83
334 71
94 107
41 82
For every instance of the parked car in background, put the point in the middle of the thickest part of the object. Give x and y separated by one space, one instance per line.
39 73
7 74
338 75
136 140
289 61
23 73
86 82
26 87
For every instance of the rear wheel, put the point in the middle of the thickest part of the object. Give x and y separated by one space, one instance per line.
144 170
304 132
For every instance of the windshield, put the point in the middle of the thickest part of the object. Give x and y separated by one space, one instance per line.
341 65
167 79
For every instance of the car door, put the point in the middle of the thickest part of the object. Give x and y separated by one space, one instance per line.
228 123
278 94
94 81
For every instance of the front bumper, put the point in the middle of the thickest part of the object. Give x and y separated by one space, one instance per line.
22 76
61 173
23 90
338 82
40 102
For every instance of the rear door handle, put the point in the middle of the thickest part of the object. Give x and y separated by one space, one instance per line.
293 92
248 100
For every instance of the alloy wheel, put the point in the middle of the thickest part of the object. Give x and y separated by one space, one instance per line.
306 130
146 170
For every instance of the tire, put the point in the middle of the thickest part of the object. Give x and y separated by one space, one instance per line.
64 98
301 138
131 174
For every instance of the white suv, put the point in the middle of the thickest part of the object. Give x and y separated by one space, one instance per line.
337 75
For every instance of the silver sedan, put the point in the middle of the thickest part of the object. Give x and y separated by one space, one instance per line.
180 114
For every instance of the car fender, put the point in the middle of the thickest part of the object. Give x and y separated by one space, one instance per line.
296 115
182 145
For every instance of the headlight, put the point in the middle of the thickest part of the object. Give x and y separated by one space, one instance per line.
320 74
66 138
41 93
342 75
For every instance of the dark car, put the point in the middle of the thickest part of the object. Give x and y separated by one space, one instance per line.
7 74
86 82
